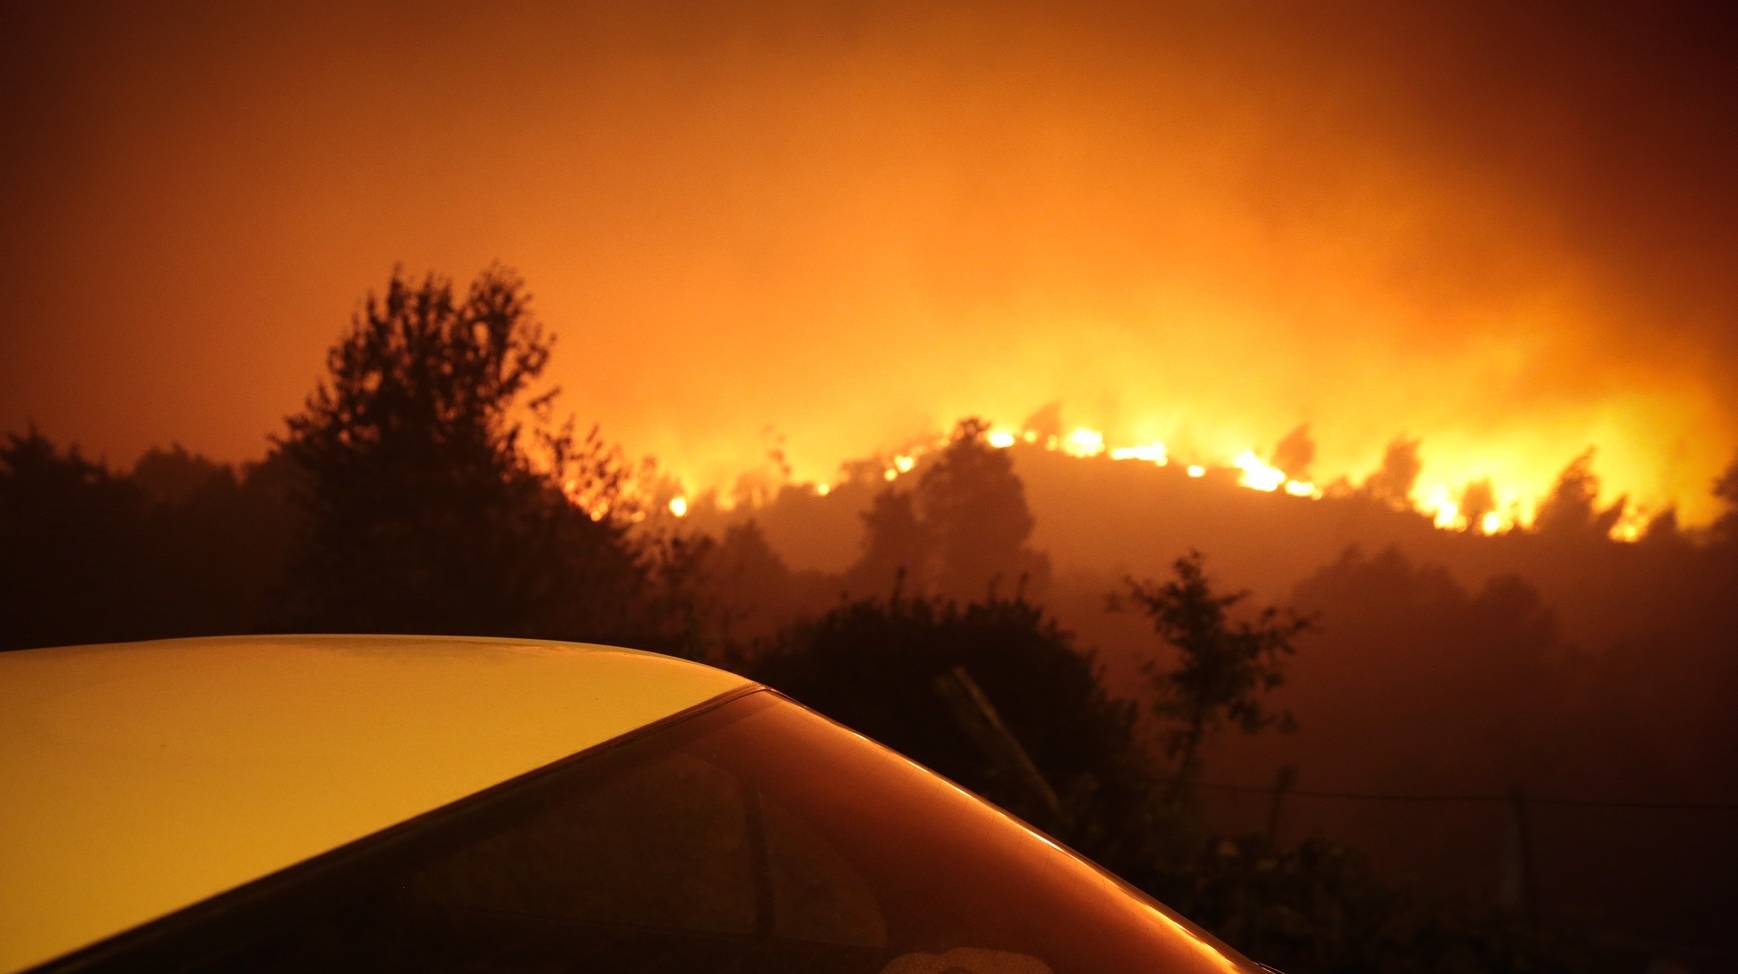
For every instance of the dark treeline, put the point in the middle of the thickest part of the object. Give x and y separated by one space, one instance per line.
1033 626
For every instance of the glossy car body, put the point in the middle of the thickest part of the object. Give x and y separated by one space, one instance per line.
293 803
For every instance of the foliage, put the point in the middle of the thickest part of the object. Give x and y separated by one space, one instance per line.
961 533
425 508
1319 906
1570 507
1224 667
974 510
71 546
178 546
1392 483
894 545
1726 492
872 665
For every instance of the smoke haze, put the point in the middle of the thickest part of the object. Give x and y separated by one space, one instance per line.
1507 233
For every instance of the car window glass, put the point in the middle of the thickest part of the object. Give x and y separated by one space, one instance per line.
755 836
817 894
660 844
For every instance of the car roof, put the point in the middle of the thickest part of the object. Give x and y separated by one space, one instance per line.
145 777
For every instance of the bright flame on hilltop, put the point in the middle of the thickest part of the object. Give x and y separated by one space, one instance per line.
1083 442
1257 475
1153 453
679 506
1448 509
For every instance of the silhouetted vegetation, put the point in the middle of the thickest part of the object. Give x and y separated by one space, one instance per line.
1726 489
424 508
427 486
1322 906
1392 483
71 540
1225 667
1570 507
962 533
178 546
874 664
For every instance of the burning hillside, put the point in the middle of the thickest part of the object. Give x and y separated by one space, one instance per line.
1469 500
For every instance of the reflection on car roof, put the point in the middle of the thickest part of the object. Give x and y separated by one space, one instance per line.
144 777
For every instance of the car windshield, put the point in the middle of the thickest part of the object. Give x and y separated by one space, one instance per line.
752 836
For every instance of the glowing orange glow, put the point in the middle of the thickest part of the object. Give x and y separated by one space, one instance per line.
1153 453
1513 509
1083 442
679 506
1256 474
1447 515
1148 246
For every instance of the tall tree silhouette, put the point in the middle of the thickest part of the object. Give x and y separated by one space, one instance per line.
1224 666
1295 452
895 547
973 510
424 509
1570 508
1392 483
1477 500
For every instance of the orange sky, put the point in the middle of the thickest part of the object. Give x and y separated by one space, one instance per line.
1509 233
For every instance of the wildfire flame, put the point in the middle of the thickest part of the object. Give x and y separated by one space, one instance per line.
1493 511
1083 442
1441 503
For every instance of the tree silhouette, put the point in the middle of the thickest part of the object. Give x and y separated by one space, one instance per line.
1295 452
895 547
753 587
218 541
1411 659
174 476
424 510
1392 483
973 510
1726 491
1477 500
1224 666
873 664
72 552
1570 508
